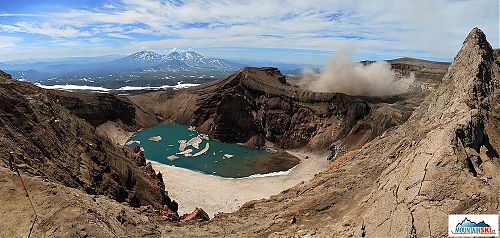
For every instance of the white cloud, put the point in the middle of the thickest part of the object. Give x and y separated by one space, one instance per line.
118 35
107 28
110 6
44 29
19 15
8 42
435 27
96 40
424 28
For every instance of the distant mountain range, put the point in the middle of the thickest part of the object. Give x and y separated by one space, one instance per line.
176 61
142 62
144 69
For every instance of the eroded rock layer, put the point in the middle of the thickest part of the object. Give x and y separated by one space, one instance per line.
46 140
442 160
255 105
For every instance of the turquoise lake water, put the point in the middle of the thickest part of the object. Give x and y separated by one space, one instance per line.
213 162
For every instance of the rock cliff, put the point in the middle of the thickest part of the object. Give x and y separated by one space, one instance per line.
442 160
100 108
46 141
255 105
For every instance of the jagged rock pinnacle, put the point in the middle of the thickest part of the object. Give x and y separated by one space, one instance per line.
475 45
477 37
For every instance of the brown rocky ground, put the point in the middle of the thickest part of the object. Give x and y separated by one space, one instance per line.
99 108
424 70
67 212
47 140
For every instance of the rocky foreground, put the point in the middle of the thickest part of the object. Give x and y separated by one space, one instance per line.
66 165
399 165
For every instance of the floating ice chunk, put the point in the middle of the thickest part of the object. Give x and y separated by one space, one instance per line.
155 138
195 142
132 142
172 157
203 151
188 151
182 145
203 136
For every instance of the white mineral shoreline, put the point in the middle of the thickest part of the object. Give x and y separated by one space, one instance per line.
215 194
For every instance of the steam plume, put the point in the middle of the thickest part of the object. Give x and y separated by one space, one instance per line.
344 75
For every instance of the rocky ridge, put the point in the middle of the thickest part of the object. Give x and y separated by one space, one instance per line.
53 146
442 160
256 105
264 107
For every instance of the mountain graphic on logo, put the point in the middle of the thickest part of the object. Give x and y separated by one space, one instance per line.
468 223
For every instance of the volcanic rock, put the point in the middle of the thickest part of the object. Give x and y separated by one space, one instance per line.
99 108
138 156
149 171
5 77
442 160
197 215
50 141
256 104
169 214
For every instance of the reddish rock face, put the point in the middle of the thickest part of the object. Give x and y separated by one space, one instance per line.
197 215
257 104
169 214
138 156
149 171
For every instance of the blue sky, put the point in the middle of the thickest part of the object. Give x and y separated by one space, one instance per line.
276 30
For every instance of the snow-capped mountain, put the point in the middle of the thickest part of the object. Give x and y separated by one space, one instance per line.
144 56
194 59
185 56
176 61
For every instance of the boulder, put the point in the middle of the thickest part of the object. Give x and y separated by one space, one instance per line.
169 214
149 171
197 215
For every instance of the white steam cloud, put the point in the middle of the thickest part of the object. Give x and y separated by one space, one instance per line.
343 75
